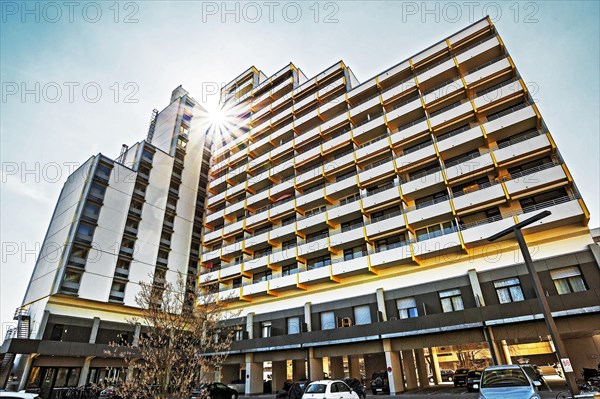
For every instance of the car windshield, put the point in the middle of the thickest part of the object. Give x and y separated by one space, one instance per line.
316 388
474 374
503 378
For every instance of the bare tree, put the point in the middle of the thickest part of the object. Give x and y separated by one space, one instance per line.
185 338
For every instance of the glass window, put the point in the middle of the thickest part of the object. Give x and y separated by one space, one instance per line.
362 314
451 300
293 325
328 320
265 327
509 290
568 280
407 308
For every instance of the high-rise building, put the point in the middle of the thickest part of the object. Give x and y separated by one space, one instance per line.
346 221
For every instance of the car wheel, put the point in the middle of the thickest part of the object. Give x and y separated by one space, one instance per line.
449 378
233 396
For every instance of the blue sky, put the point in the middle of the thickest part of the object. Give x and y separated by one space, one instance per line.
118 62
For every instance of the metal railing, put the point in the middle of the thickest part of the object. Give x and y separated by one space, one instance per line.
507 111
386 216
453 133
438 233
464 159
516 140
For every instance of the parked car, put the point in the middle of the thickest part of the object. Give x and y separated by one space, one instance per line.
215 390
108 393
329 389
460 377
19 395
533 372
506 382
380 383
446 374
356 386
239 385
473 378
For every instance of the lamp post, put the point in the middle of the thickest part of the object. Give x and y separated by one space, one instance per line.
561 351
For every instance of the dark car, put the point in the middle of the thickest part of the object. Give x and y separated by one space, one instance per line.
473 378
380 383
215 390
534 373
446 374
460 377
356 386
108 393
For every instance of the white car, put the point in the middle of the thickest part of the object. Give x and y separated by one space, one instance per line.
18 395
330 389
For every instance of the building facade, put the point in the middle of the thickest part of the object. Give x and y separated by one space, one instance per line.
117 222
346 221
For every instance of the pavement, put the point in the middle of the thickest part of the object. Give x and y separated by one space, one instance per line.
448 391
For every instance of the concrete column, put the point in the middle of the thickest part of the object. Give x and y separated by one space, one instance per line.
506 352
250 325
435 365
279 375
408 366
95 328
298 369
422 369
381 303
136 334
394 368
354 366
42 326
254 375
477 292
336 369
307 316
26 371
85 370
316 366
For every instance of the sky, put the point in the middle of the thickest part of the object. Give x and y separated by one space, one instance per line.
81 78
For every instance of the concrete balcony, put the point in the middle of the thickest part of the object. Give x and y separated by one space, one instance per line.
306 137
315 276
255 289
425 184
398 90
519 149
458 141
429 213
368 105
213 235
447 244
479 53
308 200
283 231
277 135
429 53
257 218
310 176
373 128
357 93
229 295
352 237
335 143
489 72
229 272
215 217
218 184
235 190
284 283
338 213
438 73
238 156
383 169
463 111
339 163
314 248
479 232
469 32
280 118
564 211
257 265
411 159
399 254
209 277
334 123
216 199
233 208
481 196
511 123
281 209
256 240
306 102
334 106
445 92
393 73
286 256
309 119
504 93
260 129
404 113
233 228
373 148
407 133
385 197
238 174
282 167
351 267
386 224
281 187
280 149
310 223
258 161
468 167
331 87
341 188
308 156
231 249
536 179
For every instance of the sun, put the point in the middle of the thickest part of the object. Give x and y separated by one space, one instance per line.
222 121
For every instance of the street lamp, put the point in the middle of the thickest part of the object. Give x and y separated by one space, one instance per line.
561 352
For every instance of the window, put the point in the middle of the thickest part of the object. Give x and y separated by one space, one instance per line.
264 276
451 300
238 333
265 328
349 199
356 252
318 262
293 325
362 315
288 270
568 280
288 244
509 290
327 320
435 230
390 242
317 235
407 308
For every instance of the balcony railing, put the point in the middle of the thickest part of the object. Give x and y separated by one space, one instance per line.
453 133
464 159
507 111
438 233
386 216
517 140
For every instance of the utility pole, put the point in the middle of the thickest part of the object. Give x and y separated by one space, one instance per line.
561 351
